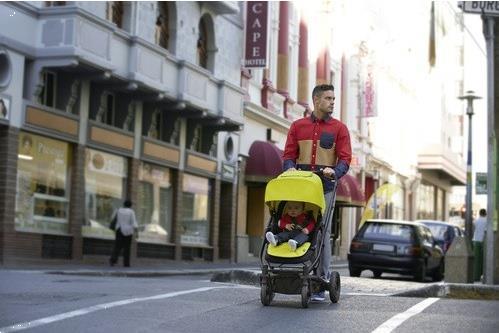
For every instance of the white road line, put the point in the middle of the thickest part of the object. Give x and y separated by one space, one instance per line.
105 306
392 323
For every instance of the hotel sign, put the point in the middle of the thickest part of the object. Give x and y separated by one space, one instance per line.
256 34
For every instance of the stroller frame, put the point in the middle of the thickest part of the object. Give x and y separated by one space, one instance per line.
298 276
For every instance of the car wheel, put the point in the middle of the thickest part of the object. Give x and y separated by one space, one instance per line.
377 274
438 273
420 274
354 271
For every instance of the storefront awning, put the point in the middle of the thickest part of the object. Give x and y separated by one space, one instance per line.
349 192
264 161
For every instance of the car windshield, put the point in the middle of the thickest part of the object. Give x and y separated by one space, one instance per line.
438 231
388 231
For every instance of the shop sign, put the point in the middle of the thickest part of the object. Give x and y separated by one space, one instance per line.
106 163
256 34
228 171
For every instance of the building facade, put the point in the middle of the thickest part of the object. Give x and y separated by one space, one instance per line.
113 100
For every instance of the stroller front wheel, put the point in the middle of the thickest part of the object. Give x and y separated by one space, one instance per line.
334 287
266 294
305 295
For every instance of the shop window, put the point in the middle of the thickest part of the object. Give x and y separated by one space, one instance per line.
48 92
195 225
154 204
105 189
426 202
114 12
42 185
162 34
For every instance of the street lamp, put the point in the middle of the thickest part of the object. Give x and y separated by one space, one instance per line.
469 97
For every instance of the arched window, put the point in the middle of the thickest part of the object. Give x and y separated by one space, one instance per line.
114 12
162 33
202 44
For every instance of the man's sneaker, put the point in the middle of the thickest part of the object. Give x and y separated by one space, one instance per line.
292 244
271 238
318 297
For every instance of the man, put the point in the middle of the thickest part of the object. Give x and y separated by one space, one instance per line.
320 142
478 236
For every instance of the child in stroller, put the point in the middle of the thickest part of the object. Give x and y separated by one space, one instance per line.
295 226
295 272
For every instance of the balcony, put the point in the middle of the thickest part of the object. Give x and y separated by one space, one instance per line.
72 36
443 164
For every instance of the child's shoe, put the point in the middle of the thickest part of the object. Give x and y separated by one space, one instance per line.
271 238
292 244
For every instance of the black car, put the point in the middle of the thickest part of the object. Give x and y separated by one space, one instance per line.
400 247
443 232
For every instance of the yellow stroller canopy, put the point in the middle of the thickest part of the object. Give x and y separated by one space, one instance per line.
302 186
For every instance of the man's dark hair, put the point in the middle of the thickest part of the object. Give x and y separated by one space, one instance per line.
127 204
318 90
482 212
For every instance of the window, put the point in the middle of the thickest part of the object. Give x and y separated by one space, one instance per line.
426 202
114 12
162 34
105 113
55 3
195 224
48 92
202 44
42 198
155 204
105 189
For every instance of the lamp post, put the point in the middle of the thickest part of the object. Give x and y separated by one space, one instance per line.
469 96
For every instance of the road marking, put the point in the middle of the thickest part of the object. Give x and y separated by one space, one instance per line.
98 307
392 323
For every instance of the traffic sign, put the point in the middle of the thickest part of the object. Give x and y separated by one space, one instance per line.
488 8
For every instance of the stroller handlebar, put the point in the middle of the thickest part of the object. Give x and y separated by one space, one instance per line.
321 173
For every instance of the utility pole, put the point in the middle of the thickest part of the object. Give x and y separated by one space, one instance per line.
488 32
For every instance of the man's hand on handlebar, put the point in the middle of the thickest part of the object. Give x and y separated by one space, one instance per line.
328 172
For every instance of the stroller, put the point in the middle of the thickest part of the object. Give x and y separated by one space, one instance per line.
295 272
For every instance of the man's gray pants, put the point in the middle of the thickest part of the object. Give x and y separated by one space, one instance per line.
325 259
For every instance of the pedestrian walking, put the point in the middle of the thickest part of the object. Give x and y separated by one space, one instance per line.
478 237
320 142
126 226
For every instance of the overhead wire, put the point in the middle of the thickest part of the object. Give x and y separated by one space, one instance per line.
449 5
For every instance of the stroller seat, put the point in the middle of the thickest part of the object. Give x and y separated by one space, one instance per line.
283 250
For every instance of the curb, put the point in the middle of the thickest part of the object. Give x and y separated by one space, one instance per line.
141 273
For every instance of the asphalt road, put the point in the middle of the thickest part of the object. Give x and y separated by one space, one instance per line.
37 302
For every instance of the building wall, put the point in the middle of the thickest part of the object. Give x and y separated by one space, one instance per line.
223 101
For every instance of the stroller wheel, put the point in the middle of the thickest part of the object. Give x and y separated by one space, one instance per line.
266 295
334 287
305 295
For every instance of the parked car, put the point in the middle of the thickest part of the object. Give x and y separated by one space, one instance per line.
402 247
443 232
